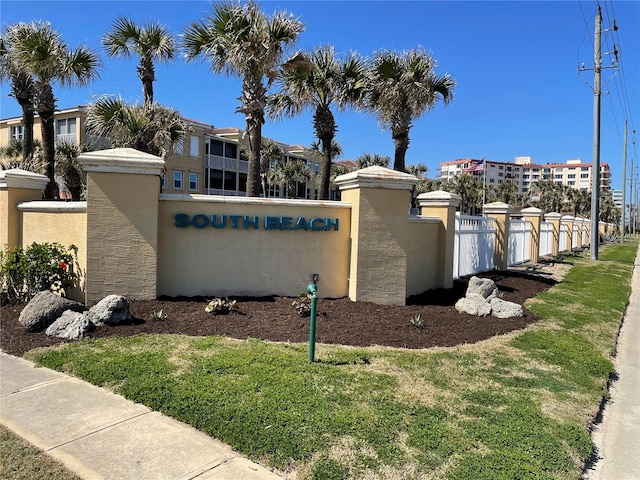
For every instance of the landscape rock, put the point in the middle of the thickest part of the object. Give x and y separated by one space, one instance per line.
71 326
482 286
473 304
111 310
503 309
44 309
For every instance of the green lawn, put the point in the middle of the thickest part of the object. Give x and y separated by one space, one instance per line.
515 406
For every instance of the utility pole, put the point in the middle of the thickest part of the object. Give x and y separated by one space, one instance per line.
595 164
624 181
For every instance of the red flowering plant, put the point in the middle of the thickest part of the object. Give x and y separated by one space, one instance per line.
41 266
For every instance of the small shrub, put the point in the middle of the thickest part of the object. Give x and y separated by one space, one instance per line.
41 266
417 322
303 305
219 306
158 315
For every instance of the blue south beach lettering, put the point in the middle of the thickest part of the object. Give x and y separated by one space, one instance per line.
247 222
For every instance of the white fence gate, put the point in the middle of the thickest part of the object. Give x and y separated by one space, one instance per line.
474 245
546 239
519 242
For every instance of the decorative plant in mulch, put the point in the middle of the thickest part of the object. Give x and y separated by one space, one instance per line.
221 306
303 305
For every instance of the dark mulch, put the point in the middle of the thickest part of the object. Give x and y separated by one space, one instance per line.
339 321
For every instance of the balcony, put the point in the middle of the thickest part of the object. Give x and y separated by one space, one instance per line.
224 163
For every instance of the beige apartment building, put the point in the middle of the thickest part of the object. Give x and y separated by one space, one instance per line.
208 161
523 172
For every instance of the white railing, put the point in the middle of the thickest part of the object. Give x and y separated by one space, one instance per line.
546 239
564 231
224 163
519 242
474 245
575 241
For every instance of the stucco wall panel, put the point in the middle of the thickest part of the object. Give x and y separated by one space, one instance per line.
245 261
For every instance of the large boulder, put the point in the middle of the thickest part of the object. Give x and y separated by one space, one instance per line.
503 309
482 286
71 326
473 304
111 310
44 309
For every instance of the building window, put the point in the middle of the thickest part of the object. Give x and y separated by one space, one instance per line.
572 183
16 132
500 167
584 175
193 181
317 169
66 130
194 149
242 182
571 175
215 147
492 180
162 181
177 179
230 181
215 179
230 150
584 169
500 174
558 177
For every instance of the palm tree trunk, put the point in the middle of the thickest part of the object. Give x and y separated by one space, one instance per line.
28 121
401 142
325 168
46 111
254 130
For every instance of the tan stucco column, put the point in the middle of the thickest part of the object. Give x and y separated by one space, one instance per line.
554 219
502 213
380 200
122 223
534 215
16 186
442 205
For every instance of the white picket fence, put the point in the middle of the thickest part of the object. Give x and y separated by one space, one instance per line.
519 242
546 239
474 245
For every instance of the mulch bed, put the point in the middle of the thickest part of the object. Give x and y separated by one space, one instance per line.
339 321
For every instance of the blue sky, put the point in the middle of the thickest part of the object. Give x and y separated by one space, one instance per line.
516 65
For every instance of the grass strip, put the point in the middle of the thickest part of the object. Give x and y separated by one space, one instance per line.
515 406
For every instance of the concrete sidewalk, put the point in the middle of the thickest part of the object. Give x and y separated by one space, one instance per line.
618 436
100 435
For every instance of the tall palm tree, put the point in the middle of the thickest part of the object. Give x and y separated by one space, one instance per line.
151 42
417 170
150 127
21 82
239 39
403 86
271 151
41 52
317 80
368 160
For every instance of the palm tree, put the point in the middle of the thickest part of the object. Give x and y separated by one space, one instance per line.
368 160
11 157
151 42
469 187
507 192
403 86
69 169
288 173
150 127
319 81
271 153
41 52
417 170
22 85
241 40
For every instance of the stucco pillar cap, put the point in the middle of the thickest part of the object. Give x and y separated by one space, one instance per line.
552 216
376 177
568 217
121 160
497 207
18 178
532 212
439 198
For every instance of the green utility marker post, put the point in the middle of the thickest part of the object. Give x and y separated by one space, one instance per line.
312 288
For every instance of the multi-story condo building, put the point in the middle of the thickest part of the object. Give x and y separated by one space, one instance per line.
209 160
523 172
